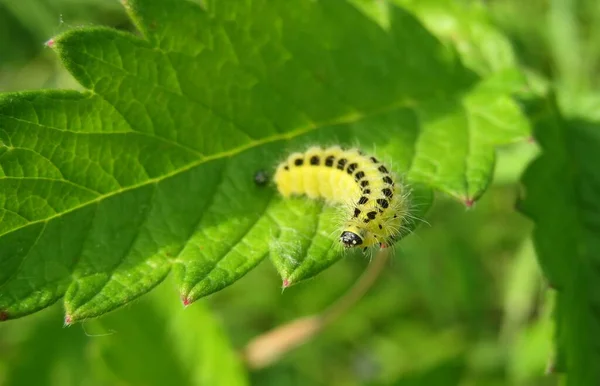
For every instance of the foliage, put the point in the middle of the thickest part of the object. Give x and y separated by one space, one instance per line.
144 175
150 169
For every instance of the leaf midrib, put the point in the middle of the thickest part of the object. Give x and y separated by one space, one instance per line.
348 119
64 181
166 90
131 131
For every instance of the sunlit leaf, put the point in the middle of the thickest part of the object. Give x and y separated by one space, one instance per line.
151 168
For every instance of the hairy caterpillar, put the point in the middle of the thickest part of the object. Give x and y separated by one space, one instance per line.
376 205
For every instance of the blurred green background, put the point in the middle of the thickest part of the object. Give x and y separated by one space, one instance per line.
462 302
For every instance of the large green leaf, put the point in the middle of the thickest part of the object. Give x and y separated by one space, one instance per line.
104 192
562 196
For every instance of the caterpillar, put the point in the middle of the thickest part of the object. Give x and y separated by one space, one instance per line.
375 203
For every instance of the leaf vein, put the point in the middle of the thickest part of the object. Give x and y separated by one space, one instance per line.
216 156
37 239
111 271
53 180
208 108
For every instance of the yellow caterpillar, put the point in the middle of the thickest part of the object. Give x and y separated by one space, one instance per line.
376 204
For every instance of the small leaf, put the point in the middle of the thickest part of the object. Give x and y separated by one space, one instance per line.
562 195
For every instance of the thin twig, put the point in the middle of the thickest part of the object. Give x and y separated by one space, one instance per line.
359 289
267 348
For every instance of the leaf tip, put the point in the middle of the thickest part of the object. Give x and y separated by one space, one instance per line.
68 320
3 316
469 202
286 283
50 43
186 301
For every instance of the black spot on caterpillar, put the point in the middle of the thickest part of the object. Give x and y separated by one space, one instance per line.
383 202
351 168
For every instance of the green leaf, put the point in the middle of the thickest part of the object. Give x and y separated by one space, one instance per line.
467 27
464 26
104 192
562 196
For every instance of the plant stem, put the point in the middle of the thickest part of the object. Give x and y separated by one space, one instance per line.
270 346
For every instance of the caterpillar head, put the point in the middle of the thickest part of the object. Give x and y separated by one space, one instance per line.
355 234
350 239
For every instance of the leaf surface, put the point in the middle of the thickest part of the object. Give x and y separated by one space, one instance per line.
151 169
